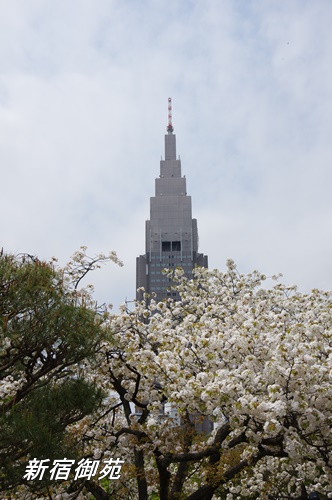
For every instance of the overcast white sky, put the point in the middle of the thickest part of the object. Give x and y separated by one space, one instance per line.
83 112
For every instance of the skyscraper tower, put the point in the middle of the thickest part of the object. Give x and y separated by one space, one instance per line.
171 236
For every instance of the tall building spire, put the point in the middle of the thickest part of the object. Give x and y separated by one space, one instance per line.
170 128
171 236
170 141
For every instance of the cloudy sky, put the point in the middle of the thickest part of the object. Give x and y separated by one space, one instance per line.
83 112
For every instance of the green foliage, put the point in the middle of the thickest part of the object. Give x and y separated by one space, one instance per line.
46 412
47 331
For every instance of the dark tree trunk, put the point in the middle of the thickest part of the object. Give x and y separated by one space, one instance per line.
141 479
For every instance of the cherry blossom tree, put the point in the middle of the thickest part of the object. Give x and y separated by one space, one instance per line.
226 394
253 362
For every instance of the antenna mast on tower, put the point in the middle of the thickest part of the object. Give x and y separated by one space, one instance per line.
170 126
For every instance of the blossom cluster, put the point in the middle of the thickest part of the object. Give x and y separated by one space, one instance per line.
256 362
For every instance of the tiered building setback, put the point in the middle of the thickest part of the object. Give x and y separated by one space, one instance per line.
171 236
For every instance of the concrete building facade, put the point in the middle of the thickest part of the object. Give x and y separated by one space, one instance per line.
171 235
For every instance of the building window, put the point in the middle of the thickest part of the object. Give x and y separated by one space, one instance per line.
176 246
171 246
166 246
